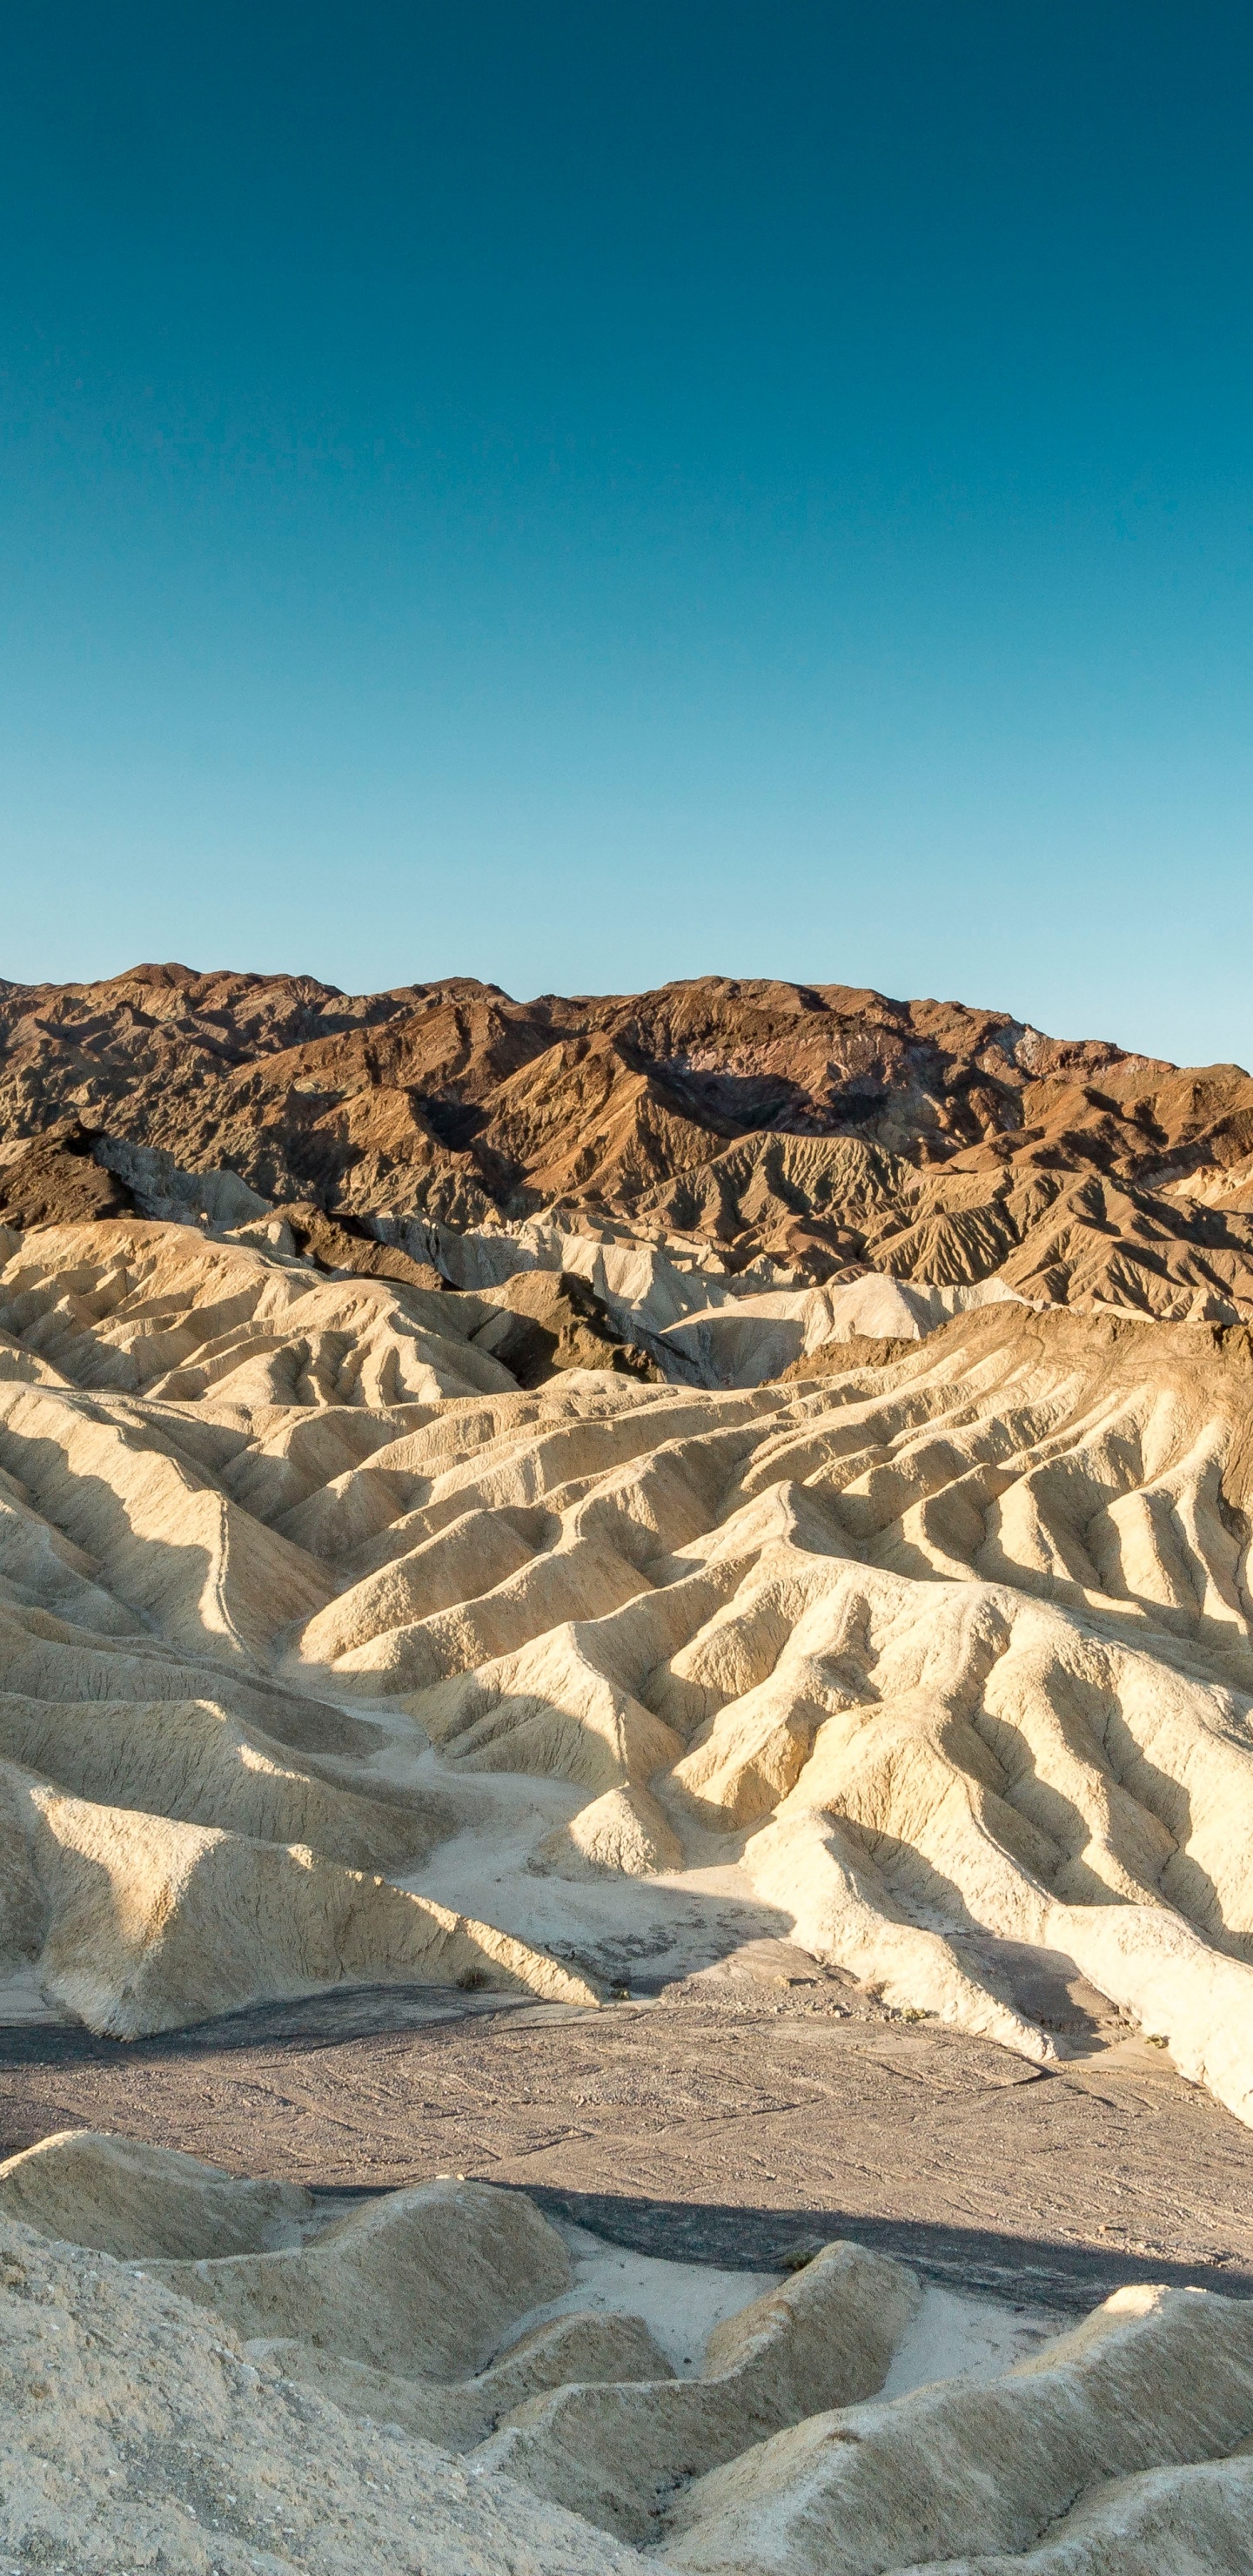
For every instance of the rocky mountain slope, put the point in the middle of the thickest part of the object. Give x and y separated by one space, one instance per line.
831 1129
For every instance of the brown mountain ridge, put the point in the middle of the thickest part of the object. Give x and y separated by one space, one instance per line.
828 1127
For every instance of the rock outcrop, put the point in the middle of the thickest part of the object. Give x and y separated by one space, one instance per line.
1079 2460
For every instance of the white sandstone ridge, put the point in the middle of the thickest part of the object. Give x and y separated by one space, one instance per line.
328 1655
704 1323
204 2373
1119 2447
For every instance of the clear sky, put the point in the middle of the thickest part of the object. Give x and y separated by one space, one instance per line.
581 493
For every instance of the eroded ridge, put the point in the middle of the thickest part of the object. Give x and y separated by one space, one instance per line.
940 1664
202 2372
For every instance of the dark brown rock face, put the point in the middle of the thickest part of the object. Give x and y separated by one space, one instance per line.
548 1320
336 1243
53 1180
825 1125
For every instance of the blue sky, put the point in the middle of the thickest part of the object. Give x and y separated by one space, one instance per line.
586 493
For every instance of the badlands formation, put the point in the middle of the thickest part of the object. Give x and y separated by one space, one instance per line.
821 1128
513 1501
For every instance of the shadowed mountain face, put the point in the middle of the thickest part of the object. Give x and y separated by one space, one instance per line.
828 1127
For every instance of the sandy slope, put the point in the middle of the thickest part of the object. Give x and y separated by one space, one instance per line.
328 1655
315 1636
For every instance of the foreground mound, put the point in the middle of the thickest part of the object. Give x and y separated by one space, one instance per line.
137 2434
279 2408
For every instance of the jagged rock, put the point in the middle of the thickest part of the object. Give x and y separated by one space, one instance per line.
957 1646
459 2414
138 2202
136 2432
423 2282
336 1243
955 2474
858 1351
550 1320
54 1180
616 2452
143 2424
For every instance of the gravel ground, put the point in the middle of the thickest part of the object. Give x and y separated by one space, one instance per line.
735 2121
